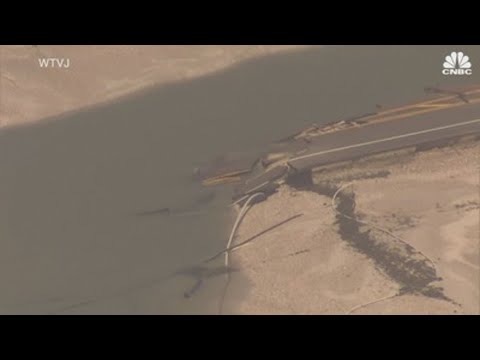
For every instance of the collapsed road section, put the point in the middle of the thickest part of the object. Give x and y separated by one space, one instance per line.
448 116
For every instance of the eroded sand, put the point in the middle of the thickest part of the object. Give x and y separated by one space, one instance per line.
102 73
430 200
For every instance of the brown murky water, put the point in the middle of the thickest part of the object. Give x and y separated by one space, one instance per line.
71 240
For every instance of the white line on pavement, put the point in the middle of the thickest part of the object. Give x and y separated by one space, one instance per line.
385 139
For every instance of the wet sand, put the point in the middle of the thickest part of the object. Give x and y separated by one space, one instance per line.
428 201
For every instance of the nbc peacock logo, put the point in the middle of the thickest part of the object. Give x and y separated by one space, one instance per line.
457 63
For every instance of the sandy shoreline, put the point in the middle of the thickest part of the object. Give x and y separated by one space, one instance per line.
429 201
307 263
99 74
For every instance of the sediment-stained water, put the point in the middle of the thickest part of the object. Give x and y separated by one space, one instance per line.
72 188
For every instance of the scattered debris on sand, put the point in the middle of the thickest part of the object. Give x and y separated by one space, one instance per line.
400 238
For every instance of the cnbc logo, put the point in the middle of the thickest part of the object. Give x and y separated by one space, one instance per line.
457 63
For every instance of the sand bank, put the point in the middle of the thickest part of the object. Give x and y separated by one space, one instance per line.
427 263
97 74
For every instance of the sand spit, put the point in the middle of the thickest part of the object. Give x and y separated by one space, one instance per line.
414 250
